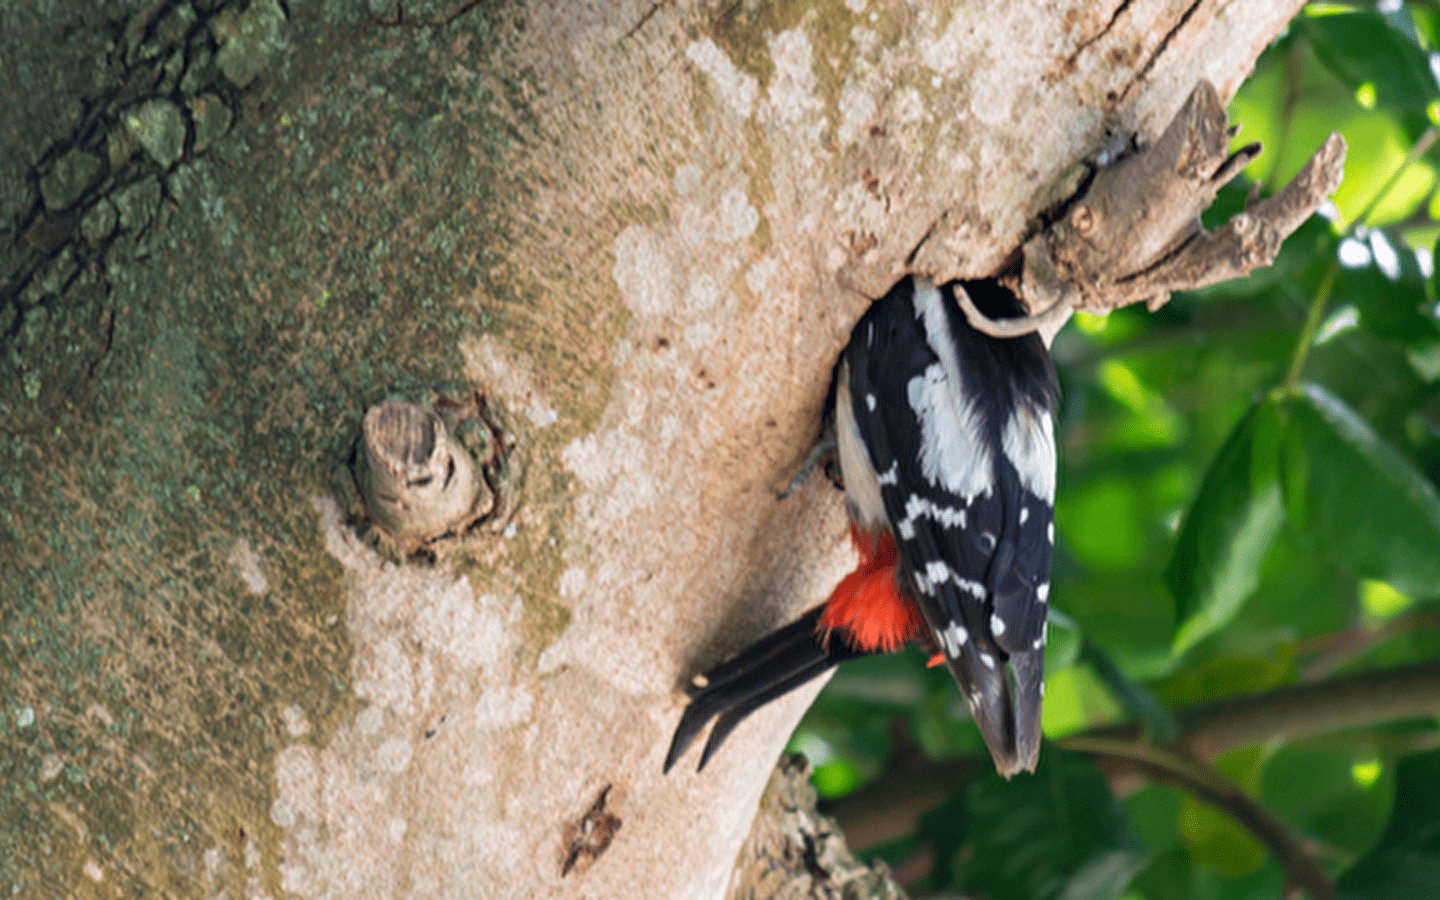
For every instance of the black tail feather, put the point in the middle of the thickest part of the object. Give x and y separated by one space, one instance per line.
783 642
736 714
767 669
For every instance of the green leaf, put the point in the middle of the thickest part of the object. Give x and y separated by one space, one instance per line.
1228 529
1390 310
1427 26
1314 790
1361 48
1056 833
1105 876
1358 500
1405 862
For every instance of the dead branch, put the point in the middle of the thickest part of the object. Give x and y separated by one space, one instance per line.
1136 234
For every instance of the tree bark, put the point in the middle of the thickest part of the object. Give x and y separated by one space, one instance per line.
640 232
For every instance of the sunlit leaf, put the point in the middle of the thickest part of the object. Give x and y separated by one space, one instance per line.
1362 503
1405 862
1378 145
835 779
1427 26
1105 876
1074 700
1315 791
1228 529
1361 48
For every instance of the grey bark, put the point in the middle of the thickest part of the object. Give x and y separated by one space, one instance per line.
640 231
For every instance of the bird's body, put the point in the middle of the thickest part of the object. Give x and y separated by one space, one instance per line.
945 438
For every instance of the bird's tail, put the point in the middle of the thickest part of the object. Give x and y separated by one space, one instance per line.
769 668
865 614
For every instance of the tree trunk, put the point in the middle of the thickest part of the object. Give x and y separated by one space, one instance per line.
640 232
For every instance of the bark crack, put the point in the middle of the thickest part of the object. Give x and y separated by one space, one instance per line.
1159 49
1095 38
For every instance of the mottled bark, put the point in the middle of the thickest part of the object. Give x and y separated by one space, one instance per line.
641 232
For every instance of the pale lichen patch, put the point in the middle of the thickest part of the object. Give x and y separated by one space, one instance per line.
736 88
247 562
295 721
347 808
793 90
511 375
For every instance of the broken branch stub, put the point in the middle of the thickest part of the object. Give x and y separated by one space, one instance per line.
416 480
1136 233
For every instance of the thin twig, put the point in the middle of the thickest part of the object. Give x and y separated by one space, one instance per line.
1333 651
1312 323
1299 711
1204 782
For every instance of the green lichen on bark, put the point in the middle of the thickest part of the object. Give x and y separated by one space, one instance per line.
184 372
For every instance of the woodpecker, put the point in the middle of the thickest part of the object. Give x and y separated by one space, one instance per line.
946 446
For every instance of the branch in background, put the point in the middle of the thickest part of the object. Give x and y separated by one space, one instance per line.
1210 786
891 807
1335 651
1296 712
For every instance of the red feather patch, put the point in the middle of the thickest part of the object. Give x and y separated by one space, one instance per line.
867 608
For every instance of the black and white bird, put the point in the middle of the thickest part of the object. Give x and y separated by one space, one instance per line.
946 444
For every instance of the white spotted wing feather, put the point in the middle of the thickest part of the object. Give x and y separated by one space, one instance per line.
962 429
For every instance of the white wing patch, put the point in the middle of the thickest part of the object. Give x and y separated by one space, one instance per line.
997 625
1029 443
917 507
937 572
953 637
1044 632
952 450
862 485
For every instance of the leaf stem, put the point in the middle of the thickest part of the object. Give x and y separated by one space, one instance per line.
1312 324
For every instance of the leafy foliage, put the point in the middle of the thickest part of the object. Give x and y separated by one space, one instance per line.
1405 862
1247 502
